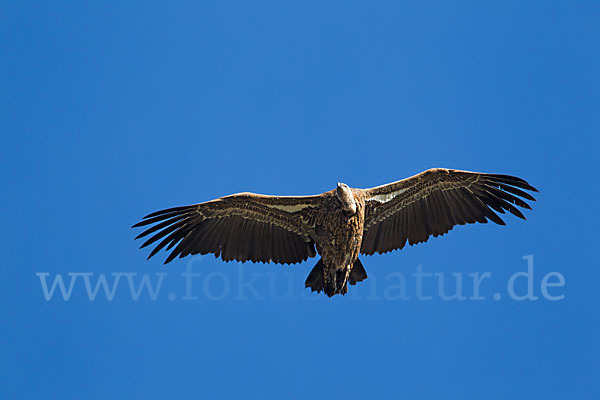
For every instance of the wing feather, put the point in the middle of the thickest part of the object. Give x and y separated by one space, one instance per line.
433 202
241 227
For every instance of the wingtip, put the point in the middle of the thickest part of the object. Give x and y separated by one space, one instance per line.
141 235
531 188
167 211
171 257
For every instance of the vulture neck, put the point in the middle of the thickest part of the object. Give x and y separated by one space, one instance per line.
346 199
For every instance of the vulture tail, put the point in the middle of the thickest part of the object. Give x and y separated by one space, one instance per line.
338 279
358 273
315 278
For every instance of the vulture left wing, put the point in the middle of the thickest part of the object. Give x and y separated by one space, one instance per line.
433 202
241 227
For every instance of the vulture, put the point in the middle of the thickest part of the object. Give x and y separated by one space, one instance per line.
339 225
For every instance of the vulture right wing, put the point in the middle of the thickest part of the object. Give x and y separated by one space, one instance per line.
240 227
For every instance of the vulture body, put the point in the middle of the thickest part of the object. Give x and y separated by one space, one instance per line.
339 224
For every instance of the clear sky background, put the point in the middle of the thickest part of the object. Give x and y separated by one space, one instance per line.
111 110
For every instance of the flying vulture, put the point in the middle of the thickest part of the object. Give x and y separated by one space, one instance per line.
339 224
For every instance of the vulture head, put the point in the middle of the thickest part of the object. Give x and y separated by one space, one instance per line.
344 195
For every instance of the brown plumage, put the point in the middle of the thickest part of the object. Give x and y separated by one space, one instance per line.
338 224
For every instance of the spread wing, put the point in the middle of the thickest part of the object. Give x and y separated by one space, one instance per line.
433 202
241 227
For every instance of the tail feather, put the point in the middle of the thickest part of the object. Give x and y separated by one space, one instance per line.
315 278
358 273
338 282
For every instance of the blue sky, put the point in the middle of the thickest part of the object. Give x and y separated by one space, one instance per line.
112 110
